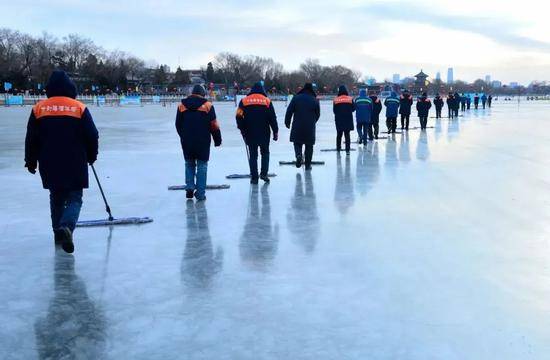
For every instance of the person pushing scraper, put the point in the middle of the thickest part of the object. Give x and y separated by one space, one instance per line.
256 119
196 125
61 141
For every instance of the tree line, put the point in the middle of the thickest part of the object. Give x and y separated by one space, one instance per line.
26 62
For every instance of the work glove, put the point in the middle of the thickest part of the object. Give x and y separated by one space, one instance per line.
287 126
217 144
275 137
92 160
31 168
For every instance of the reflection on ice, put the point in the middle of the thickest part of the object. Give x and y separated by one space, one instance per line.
344 195
199 263
368 167
75 327
404 150
260 238
302 215
422 148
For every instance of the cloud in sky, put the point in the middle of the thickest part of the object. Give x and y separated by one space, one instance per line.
506 39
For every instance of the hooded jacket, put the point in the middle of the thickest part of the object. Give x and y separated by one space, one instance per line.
302 113
423 105
376 109
363 108
61 137
405 104
256 117
196 125
392 105
343 107
438 102
451 101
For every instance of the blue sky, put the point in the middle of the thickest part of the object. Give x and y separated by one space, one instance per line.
507 39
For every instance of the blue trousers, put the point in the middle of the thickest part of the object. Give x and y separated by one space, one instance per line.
65 208
362 131
195 177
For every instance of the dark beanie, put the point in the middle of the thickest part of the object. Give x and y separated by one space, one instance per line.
198 90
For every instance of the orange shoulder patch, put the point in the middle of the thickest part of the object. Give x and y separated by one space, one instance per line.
256 99
205 107
343 99
59 106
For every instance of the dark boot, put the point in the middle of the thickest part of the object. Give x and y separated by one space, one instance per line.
66 236
265 178
308 167
299 161
189 194
254 180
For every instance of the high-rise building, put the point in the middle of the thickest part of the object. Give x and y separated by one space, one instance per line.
488 79
438 75
496 84
514 84
396 78
450 76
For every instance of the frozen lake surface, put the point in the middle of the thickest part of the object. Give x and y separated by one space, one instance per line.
426 246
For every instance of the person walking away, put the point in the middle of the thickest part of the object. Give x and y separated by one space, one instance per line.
302 114
256 119
483 100
61 141
476 101
197 125
392 109
462 102
458 99
405 104
468 102
374 125
343 107
438 102
423 105
363 115
450 105
489 100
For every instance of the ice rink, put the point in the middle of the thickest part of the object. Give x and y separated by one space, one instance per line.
425 246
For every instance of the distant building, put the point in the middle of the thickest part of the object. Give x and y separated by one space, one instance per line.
496 84
421 82
370 81
438 75
514 85
396 78
488 79
450 76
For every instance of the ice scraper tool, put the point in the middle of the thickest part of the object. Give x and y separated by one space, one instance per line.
111 220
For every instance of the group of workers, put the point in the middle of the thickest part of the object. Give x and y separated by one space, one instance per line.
62 139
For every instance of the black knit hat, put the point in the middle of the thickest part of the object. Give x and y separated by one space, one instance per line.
198 90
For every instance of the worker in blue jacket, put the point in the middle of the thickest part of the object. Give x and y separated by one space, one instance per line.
363 115
61 141
392 110
483 100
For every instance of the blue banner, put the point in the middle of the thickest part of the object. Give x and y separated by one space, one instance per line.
7 86
130 100
15 100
